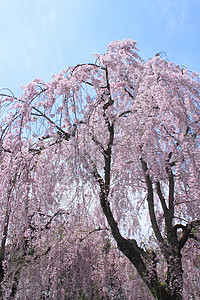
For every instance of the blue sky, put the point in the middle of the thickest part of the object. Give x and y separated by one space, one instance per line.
41 37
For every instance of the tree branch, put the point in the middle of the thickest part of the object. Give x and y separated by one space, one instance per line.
187 232
161 197
92 231
150 201
171 196
67 135
110 101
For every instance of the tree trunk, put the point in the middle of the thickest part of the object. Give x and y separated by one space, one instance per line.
175 273
171 290
1 279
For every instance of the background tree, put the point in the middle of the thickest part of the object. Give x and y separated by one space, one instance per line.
121 134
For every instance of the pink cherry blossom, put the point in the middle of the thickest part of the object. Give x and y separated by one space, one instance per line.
116 143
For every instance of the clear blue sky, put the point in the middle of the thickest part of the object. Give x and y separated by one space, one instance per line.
41 37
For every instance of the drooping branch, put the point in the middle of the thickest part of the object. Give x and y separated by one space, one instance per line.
87 64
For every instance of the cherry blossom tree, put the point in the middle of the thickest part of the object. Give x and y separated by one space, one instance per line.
121 137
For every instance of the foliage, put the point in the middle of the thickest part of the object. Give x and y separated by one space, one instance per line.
120 139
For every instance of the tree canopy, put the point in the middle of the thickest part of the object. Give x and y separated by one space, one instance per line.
117 141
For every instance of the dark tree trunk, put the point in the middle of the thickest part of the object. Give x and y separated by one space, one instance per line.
175 272
171 290
1 279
